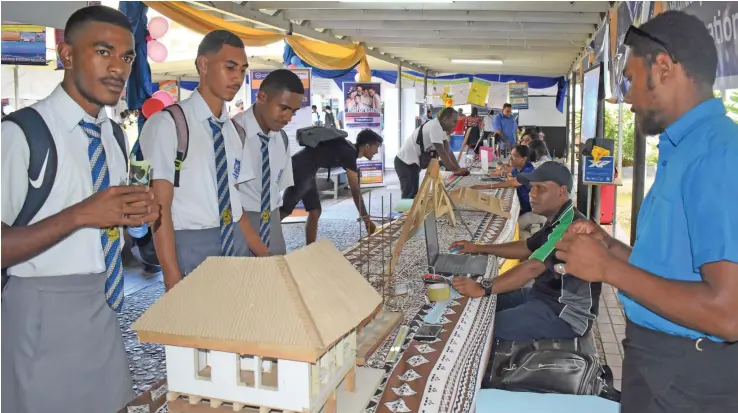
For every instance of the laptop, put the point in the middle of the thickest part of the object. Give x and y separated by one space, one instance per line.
450 264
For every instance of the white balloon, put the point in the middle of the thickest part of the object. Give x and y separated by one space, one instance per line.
357 77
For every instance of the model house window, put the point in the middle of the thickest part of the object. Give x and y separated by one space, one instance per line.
202 364
249 367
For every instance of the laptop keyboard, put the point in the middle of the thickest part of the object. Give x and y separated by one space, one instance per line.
453 264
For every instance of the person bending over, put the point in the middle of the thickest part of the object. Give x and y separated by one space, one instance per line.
336 153
556 306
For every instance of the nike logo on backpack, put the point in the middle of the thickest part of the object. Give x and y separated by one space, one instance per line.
36 183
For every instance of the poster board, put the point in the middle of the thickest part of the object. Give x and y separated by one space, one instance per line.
23 44
518 95
258 76
363 110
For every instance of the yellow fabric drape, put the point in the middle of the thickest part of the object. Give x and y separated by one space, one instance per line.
509 264
203 22
327 56
331 56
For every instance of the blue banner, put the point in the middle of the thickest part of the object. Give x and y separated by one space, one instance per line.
721 19
23 44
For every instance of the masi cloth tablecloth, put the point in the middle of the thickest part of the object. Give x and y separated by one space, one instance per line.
445 375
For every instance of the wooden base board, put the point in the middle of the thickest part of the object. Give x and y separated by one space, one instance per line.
184 403
374 334
366 381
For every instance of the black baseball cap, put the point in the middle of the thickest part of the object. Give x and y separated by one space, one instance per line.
549 171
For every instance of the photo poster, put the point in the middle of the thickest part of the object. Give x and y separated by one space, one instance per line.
518 95
478 92
23 44
258 76
363 110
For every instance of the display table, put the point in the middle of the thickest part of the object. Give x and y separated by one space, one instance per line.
440 376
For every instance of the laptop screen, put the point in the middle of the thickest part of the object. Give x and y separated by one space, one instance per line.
431 237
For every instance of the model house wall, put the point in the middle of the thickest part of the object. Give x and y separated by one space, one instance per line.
254 380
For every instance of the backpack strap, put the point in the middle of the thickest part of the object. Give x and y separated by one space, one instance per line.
120 137
286 140
42 164
419 138
183 137
241 132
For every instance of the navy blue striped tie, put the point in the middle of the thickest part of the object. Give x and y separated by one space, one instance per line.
224 195
109 237
266 179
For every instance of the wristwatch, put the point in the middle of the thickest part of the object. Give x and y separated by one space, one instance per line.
487 285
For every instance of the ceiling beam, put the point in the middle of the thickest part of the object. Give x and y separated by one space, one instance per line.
457 52
583 29
438 15
431 43
282 24
535 6
450 34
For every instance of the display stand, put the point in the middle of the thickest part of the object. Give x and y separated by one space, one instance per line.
432 196
463 144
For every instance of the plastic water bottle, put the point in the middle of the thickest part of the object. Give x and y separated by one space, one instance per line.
469 158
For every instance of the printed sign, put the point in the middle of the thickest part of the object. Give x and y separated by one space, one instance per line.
258 76
363 105
599 172
519 95
478 92
23 44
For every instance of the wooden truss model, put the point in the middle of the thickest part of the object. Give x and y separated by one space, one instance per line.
432 196
480 200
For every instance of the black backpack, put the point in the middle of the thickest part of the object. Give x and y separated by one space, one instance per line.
43 160
183 138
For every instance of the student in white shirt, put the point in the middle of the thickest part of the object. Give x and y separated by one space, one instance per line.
199 218
435 138
279 98
62 348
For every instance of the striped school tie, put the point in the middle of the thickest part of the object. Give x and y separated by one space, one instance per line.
266 179
224 196
109 237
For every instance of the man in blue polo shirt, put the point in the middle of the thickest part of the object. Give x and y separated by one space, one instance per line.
679 283
504 124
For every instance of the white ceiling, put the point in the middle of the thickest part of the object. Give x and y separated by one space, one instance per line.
532 38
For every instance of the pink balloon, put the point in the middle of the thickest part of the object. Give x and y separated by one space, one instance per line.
158 27
157 51
164 97
292 66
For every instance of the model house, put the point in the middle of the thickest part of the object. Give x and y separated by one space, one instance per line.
271 333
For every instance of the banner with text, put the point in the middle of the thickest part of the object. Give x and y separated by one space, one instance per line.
258 76
518 95
23 44
364 111
478 92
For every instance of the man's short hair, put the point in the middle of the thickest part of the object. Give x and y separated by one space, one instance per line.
327 108
214 41
94 14
532 135
687 40
506 105
446 113
368 137
282 80
523 151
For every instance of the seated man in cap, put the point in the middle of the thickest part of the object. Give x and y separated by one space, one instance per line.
555 306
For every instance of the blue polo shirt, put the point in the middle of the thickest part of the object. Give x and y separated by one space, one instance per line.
522 190
507 126
689 217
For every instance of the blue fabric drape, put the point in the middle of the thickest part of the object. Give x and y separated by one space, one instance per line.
289 53
139 82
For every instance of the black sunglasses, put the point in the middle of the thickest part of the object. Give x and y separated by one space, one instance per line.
636 31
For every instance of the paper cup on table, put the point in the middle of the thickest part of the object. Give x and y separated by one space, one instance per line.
439 292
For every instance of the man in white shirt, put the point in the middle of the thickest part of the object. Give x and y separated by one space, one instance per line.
279 98
62 348
435 138
199 217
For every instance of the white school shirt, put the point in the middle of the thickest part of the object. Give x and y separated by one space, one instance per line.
432 133
195 202
280 165
81 252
